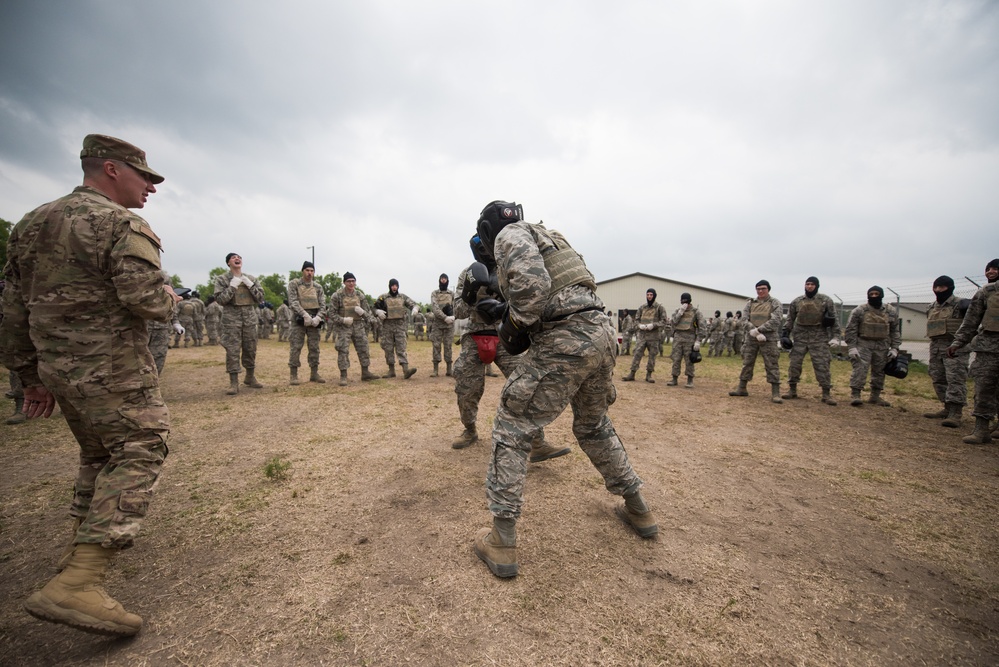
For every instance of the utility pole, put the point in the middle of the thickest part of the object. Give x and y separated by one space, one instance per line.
313 249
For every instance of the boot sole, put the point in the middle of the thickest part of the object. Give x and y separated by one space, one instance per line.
645 532
501 570
546 457
45 610
461 444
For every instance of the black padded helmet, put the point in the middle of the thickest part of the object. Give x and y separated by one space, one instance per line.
493 218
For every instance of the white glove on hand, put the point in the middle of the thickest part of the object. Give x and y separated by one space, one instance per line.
316 321
854 353
697 346
348 321
892 353
449 319
416 309
359 311
246 281
761 337
307 320
380 313
235 282
179 329
754 332
834 342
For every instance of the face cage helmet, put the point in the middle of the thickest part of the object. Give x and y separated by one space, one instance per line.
493 218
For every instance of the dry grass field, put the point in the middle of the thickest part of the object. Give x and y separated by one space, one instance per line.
320 525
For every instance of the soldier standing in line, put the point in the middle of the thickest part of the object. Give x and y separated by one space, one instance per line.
627 332
265 320
83 269
185 313
764 317
651 319
213 320
159 333
308 303
391 309
948 374
811 324
738 333
442 323
982 312
728 330
688 325
555 318
283 319
199 319
873 336
419 326
239 293
16 388
348 312
715 335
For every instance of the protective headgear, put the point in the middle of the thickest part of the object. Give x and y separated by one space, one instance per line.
480 253
308 265
394 282
653 293
685 297
717 313
994 264
443 281
786 342
493 218
875 302
695 356
811 279
348 276
195 294
899 366
728 314
230 256
763 283
943 281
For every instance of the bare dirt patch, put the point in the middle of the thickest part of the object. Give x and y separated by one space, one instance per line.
795 534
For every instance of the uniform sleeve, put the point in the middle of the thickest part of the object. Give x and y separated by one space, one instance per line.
257 291
853 326
896 330
972 319
135 272
224 293
792 315
293 301
409 302
773 324
17 352
523 278
461 309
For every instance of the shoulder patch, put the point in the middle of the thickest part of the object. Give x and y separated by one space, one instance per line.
142 242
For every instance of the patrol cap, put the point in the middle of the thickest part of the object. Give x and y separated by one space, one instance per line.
110 148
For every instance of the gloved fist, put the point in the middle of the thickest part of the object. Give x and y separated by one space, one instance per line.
348 321
179 329
491 309
380 313
246 281
316 321
359 311
853 353
307 320
761 337
754 332
834 343
892 353
697 346
235 282
449 319
416 309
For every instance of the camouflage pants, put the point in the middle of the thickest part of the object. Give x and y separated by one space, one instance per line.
727 344
16 386
441 335
122 438
949 376
683 345
266 328
213 331
737 340
356 333
159 343
283 327
419 331
239 338
626 343
873 357
188 325
771 359
568 365
716 344
296 340
198 331
650 344
815 342
393 341
985 370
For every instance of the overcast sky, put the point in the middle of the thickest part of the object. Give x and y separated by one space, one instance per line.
715 143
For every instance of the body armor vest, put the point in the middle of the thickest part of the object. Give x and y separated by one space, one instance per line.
874 326
308 296
187 309
565 266
443 298
943 320
348 303
395 308
243 296
686 322
809 313
648 315
759 312
990 320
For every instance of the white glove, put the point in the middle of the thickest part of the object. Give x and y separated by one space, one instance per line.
380 313
761 337
697 346
246 281
892 353
854 353
416 309
834 342
754 332
316 321
449 319
179 329
359 311
235 282
307 320
348 321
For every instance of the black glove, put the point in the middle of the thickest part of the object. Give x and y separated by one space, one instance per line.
448 310
829 320
515 339
479 278
491 309
380 305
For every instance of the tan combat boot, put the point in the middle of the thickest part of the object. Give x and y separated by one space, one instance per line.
251 381
544 451
367 374
648 377
497 548
67 553
630 377
792 391
875 399
981 435
637 514
690 382
490 373
407 372
434 374
343 378
674 382
18 417
294 382
233 384
315 377
448 371
75 596
954 412
942 413
827 396
775 393
855 399
740 390
468 438
391 372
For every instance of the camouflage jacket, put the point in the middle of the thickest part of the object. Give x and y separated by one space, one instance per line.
476 323
83 276
981 341
295 302
852 335
335 306
773 326
822 303
225 296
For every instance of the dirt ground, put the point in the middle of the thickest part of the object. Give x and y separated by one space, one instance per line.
795 534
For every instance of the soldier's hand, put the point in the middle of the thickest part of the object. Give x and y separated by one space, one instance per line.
761 337
359 311
449 319
348 321
491 309
892 353
169 290
179 329
853 353
416 309
697 346
38 402
235 282
246 281
753 332
380 313
952 351
834 343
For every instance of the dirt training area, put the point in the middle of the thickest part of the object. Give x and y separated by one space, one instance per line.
326 525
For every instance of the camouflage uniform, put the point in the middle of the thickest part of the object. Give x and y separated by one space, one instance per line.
213 322
266 322
570 362
342 305
239 320
648 340
627 333
983 312
728 335
805 318
159 338
393 334
872 331
442 331
715 336
199 321
738 334
948 374
282 318
764 315
305 299
687 326
87 271
419 326
185 313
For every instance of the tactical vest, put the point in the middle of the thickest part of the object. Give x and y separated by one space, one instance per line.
943 320
443 298
395 307
243 296
759 312
187 309
874 326
809 312
348 303
990 319
565 266
308 296
686 322
648 315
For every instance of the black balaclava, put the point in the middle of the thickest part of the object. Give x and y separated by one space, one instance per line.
444 282
876 303
654 295
812 279
717 313
994 264
944 281
728 314
393 283
685 297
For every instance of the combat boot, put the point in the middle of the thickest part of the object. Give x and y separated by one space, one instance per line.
981 434
67 553
391 372
875 399
648 377
314 375
942 413
792 391
448 371
637 514
855 399
490 373
690 382
630 377
468 438
343 378
673 382
294 377
366 374
740 390
436 365
18 417
954 415
185 344
497 548
775 393
407 372
233 384
827 396
75 597
544 451
251 381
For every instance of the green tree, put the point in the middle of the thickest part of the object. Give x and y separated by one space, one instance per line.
5 228
209 289
275 289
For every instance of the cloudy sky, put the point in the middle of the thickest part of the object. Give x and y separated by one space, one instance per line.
709 142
